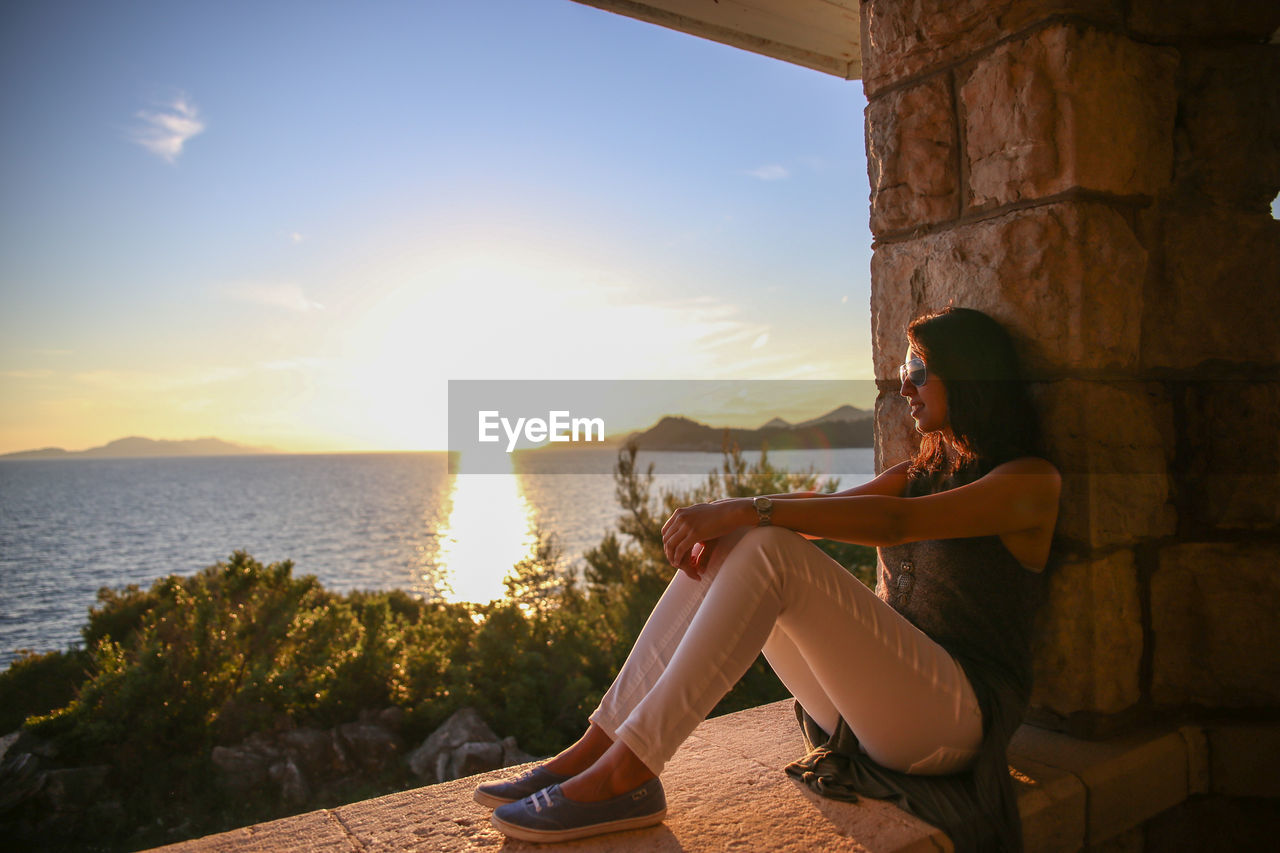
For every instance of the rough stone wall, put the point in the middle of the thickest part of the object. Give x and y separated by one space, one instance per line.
1098 175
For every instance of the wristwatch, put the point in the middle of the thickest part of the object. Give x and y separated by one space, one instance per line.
764 510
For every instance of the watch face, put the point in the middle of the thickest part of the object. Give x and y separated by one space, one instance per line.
764 507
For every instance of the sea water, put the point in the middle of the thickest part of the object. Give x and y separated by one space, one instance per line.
356 521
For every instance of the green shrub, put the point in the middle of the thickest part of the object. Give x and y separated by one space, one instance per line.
37 684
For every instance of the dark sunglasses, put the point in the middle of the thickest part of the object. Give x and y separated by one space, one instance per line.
914 372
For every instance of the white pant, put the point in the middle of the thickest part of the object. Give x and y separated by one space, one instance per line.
836 646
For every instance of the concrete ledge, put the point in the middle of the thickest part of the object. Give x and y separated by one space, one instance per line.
727 791
1116 785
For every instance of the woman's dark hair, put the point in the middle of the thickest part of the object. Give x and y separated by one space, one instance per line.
989 411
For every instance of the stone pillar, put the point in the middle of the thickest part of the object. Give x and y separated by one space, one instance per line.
1098 176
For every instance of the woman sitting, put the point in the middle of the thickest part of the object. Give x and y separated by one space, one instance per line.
914 688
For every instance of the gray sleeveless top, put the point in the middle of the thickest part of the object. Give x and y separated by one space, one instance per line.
970 595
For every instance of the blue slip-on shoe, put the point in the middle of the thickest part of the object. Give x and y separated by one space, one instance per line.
549 816
493 794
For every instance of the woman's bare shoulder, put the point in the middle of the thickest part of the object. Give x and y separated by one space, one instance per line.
1032 466
1036 478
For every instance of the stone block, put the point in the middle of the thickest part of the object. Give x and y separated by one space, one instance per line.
1217 297
1088 654
770 810
896 436
1113 442
1248 20
904 38
1052 805
439 817
1066 279
1214 626
1228 466
1068 108
1243 760
1216 823
313 832
897 298
912 158
767 734
1132 840
1229 125
1197 759
1129 779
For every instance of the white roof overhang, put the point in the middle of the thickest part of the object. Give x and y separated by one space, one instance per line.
819 34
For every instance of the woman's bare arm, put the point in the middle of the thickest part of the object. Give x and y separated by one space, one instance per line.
890 483
1018 496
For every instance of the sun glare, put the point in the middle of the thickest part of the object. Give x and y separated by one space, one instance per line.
510 312
490 529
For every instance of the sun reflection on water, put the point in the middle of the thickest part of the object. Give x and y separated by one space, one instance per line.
490 529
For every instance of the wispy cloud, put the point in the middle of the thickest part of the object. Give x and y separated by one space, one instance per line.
771 172
42 373
154 382
760 341
165 130
300 363
174 380
275 294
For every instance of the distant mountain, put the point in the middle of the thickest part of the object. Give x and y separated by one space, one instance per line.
843 427
843 413
135 447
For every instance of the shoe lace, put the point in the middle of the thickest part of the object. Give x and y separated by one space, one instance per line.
546 800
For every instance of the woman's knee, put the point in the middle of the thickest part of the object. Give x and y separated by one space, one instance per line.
770 543
769 534
760 549
725 545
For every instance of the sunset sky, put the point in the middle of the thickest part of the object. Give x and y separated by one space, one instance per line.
290 223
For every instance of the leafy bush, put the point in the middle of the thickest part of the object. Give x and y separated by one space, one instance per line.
36 684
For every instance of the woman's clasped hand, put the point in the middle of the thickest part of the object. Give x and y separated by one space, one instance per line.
690 533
